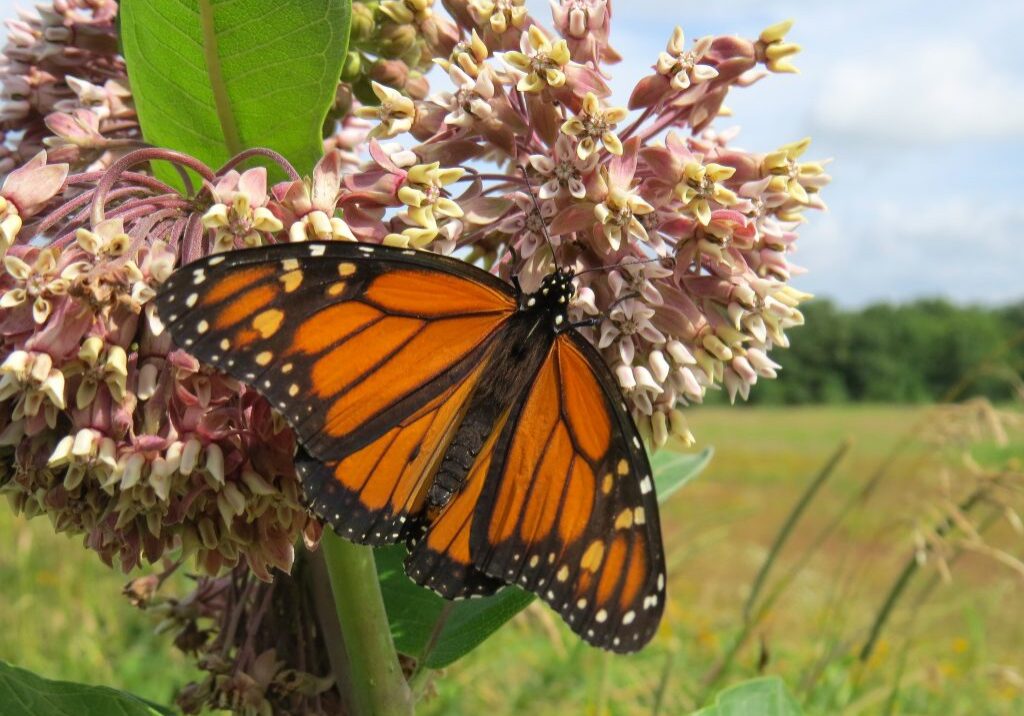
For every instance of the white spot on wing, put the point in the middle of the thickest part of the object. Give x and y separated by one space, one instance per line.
645 485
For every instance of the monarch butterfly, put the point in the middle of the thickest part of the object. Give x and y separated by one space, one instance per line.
440 406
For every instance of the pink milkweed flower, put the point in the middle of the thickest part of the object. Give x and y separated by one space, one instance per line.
631 317
470 103
527 225
307 206
240 215
621 204
639 278
25 192
594 126
677 69
563 172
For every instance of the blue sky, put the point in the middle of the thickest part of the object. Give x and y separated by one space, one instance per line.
920 104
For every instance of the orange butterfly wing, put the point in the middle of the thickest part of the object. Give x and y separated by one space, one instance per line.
370 353
374 355
570 513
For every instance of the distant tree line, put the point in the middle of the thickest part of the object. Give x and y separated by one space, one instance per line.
918 352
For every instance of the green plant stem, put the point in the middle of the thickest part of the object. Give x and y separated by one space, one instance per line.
787 528
666 673
908 571
327 619
378 684
752 617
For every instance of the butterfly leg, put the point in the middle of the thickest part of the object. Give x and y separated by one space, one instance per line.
621 299
594 321
591 322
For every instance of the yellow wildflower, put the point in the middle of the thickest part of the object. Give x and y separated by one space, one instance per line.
787 174
499 14
541 60
594 124
774 51
700 186
467 54
424 197
395 112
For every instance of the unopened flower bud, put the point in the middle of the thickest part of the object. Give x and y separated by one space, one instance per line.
624 375
659 366
352 67
659 429
716 347
215 463
396 40
190 456
362 23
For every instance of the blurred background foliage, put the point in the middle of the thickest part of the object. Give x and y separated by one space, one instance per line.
920 352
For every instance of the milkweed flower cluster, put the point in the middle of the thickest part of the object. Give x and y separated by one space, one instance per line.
696 234
65 86
680 240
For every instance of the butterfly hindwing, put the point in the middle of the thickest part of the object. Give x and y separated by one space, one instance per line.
370 353
570 513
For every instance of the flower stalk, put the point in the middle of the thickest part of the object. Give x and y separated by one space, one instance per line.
378 685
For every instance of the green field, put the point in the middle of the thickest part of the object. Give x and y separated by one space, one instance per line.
953 648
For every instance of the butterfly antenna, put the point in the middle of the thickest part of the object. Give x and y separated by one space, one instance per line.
625 263
536 206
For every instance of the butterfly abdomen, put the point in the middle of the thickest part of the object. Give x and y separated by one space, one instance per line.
527 342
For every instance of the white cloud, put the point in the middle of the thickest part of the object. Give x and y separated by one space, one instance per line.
922 90
961 248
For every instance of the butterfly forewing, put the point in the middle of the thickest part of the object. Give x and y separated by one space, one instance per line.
570 514
368 353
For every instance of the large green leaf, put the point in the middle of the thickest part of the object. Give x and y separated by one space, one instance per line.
23 693
426 626
214 77
766 696
416 613
674 469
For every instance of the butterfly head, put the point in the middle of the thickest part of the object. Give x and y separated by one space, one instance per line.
553 296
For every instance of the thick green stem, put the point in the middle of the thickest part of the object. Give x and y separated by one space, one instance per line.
378 685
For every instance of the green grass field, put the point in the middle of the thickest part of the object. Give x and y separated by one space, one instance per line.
954 648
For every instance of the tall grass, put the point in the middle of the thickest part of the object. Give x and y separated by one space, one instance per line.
790 556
